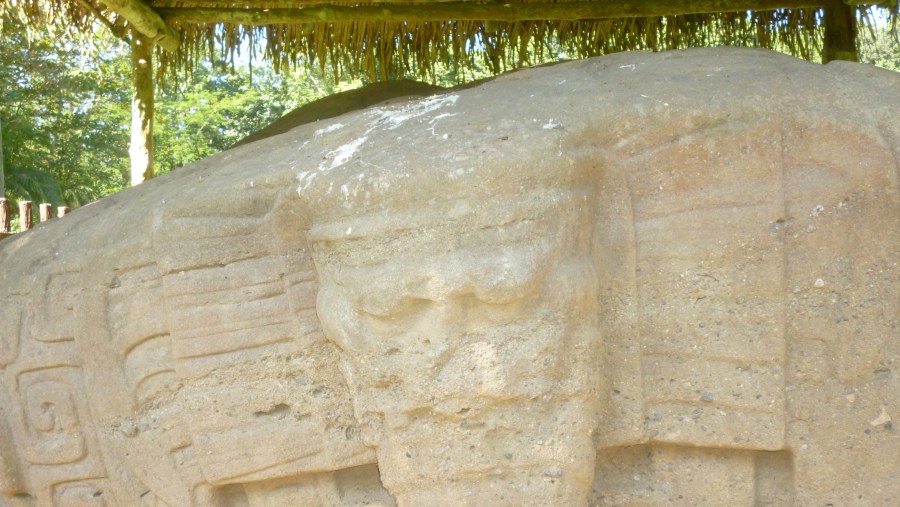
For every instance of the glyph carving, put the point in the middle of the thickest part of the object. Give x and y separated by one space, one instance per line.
644 279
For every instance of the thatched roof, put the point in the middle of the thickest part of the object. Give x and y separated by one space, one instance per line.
389 38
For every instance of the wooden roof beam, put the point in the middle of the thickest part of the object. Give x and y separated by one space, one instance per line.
146 21
440 11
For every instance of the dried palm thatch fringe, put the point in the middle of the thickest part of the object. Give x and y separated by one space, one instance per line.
385 50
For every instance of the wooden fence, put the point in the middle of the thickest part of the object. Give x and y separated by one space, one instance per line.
45 212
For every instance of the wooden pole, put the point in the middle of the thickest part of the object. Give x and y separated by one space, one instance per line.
61 211
2 174
141 150
459 11
4 216
25 215
840 32
46 210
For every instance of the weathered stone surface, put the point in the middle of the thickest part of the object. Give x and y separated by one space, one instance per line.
344 102
645 279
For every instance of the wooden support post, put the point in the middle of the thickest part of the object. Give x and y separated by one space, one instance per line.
2 174
61 211
4 217
25 215
141 150
840 32
46 210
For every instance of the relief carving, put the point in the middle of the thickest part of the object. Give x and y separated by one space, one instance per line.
51 421
10 329
608 282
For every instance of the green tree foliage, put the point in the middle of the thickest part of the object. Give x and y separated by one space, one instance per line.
880 46
218 106
64 110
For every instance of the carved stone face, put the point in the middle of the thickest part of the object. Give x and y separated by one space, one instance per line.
474 314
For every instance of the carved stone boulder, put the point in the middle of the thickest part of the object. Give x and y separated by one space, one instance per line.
643 279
